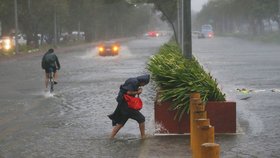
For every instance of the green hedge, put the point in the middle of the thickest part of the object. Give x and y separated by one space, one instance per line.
177 77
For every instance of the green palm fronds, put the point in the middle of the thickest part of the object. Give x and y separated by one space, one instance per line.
176 78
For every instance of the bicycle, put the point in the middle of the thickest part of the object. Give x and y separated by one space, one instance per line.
51 79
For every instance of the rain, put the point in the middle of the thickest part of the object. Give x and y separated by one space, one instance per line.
100 44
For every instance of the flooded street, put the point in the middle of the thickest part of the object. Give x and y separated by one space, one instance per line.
73 121
236 41
254 66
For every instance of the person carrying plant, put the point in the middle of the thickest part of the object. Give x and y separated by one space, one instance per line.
127 102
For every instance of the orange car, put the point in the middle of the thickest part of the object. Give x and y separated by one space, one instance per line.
108 49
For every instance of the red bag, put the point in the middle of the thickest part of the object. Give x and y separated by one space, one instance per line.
133 102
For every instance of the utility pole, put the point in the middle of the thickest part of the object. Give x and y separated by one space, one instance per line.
16 27
0 28
279 8
179 22
79 30
182 24
278 16
55 27
29 7
187 37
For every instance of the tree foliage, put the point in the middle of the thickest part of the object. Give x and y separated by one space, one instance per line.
98 19
232 15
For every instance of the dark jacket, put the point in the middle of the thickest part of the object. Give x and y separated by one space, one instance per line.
131 84
50 60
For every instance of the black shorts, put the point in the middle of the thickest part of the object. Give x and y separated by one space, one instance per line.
132 114
47 70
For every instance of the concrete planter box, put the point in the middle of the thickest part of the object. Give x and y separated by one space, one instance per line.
222 116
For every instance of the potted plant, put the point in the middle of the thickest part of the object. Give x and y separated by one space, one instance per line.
176 78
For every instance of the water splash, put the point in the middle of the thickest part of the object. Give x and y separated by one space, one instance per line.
125 52
160 129
48 94
90 53
93 54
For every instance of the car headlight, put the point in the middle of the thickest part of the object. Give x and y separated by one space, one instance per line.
101 49
7 44
115 48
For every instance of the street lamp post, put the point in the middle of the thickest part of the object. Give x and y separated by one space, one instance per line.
55 27
187 37
279 7
278 17
16 27
179 25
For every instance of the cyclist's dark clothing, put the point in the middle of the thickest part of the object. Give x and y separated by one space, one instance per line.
50 60
49 70
122 113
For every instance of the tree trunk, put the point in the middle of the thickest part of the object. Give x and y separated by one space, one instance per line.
278 22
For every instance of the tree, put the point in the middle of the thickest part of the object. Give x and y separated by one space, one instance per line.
229 13
98 19
7 16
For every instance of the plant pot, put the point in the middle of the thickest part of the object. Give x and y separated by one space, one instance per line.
222 116
164 118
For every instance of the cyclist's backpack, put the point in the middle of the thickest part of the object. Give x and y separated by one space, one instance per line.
50 59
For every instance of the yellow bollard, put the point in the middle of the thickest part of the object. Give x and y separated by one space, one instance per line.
210 150
194 98
202 116
199 106
196 107
198 123
194 101
204 134
195 95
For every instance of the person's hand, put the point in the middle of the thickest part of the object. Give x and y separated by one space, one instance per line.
139 91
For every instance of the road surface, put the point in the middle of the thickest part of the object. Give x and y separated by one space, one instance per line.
73 121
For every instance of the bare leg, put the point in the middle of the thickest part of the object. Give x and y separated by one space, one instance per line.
116 130
55 76
47 80
142 129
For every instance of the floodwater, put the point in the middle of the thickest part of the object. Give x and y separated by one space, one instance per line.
72 122
254 67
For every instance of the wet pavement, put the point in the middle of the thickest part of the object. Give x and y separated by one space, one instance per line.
73 123
239 64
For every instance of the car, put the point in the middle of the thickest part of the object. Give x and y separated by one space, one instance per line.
108 48
197 34
207 31
153 34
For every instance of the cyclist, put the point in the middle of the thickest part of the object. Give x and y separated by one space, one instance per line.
50 60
